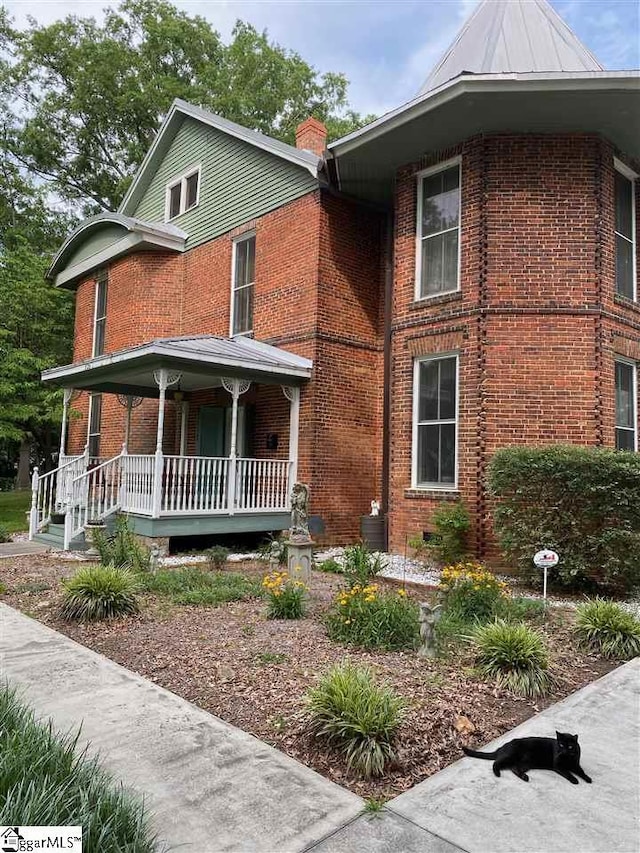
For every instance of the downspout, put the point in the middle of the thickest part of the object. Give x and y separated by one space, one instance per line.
386 399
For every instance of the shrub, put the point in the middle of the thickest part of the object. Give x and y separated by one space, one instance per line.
217 557
471 592
191 586
121 548
46 781
360 566
330 566
582 502
350 710
100 592
364 617
451 523
521 609
286 596
4 534
515 655
606 628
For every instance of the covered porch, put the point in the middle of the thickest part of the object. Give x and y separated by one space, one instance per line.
212 484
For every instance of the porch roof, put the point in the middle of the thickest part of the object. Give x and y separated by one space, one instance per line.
200 359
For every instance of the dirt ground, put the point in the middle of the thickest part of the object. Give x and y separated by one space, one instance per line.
253 672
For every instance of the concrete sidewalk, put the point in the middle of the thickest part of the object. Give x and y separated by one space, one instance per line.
210 786
21 549
214 788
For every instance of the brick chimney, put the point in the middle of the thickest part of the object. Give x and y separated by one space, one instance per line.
311 135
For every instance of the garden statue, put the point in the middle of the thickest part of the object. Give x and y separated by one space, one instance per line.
429 616
299 512
375 508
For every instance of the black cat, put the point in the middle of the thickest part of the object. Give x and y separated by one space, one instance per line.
561 755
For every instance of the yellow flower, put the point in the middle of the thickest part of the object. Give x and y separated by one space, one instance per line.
402 592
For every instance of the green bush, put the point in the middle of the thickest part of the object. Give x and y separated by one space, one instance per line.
521 609
515 655
349 710
451 524
582 502
121 548
191 586
46 781
361 616
471 592
360 566
4 534
217 557
606 628
100 592
330 567
286 596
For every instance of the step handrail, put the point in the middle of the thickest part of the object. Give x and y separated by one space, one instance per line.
95 494
44 494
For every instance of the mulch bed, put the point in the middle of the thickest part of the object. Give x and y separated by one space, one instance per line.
222 659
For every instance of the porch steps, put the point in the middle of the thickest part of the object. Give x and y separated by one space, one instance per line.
54 538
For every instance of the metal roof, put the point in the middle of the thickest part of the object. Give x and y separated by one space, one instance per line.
201 359
506 36
178 111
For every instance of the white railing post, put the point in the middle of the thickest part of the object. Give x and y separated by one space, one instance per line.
68 526
235 387
66 399
33 514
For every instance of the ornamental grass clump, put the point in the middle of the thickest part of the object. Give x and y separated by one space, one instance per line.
100 592
515 655
363 616
471 592
359 565
349 710
606 628
286 597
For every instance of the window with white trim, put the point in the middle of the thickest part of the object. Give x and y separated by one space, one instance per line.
626 415
95 417
100 314
435 422
243 281
625 236
438 249
182 194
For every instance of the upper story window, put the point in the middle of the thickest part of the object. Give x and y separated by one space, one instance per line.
435 422
100 316
625 231
183 193
243 280
626 417
438 249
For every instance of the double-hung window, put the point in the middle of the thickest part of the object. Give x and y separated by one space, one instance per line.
435 422
243 280
182 194
100 315
625 227
626 415
438 243
95 417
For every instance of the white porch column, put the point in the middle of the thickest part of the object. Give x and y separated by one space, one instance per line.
235 387
292 393
66 399
184 414
163 380
127 426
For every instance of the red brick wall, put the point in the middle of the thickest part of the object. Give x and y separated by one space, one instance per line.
536 324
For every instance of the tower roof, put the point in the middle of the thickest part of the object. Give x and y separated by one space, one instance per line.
507 36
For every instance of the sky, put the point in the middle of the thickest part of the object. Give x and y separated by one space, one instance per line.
385 47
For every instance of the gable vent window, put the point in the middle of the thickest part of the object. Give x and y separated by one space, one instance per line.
183 194
243 280
625 224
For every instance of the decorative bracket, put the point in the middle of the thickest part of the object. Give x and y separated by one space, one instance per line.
235 387
164 379
128 401
290 392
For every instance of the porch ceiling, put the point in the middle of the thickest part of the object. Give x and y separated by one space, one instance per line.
201 360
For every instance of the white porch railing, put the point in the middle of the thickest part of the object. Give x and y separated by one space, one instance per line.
49 491
95 495
137 484
195 484
262 484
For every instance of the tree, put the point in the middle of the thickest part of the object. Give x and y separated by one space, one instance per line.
95 94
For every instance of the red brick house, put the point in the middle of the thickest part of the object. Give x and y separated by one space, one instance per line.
456 276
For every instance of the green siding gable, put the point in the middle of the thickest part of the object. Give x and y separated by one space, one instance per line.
96 242
238 182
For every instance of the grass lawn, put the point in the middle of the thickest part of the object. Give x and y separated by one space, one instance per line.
46 781
13 506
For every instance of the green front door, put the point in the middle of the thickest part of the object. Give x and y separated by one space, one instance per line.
211 431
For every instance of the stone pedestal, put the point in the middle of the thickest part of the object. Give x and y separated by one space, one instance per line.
300 558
